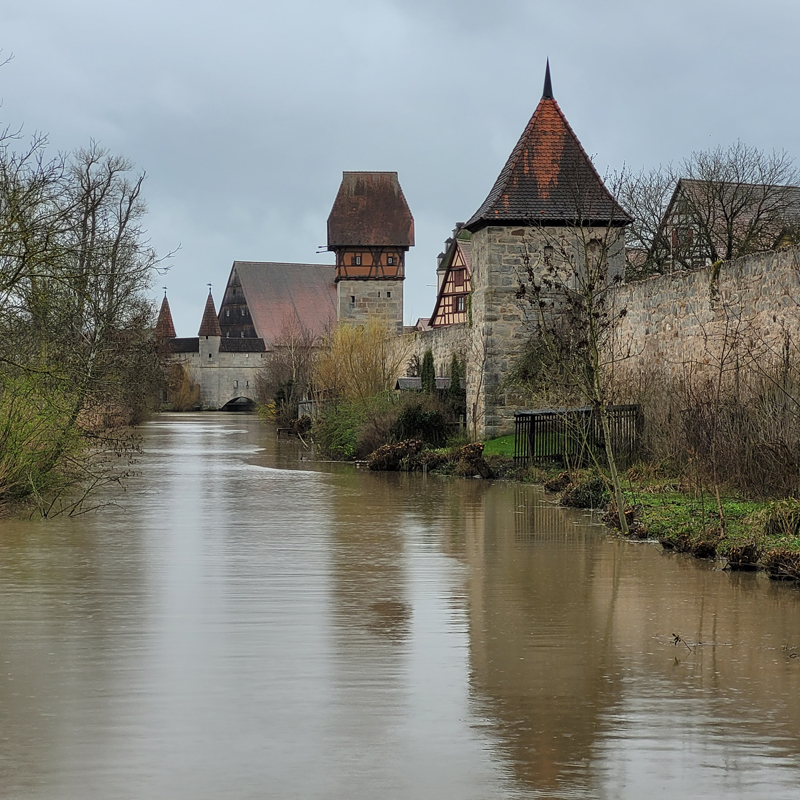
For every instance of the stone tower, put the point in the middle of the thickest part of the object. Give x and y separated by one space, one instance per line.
370 229
548 193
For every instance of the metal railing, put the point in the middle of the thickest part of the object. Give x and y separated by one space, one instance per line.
574 436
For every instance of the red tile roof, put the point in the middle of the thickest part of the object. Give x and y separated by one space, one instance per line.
210 324
165 328
548 179
371 210
281 296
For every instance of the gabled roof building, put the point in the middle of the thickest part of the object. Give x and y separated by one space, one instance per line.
265 303
708 221
454 281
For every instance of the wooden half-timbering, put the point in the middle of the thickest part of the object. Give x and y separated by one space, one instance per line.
453 298
370 263
680 233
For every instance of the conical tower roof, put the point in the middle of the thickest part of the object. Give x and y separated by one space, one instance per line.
210 324
548 178
165 329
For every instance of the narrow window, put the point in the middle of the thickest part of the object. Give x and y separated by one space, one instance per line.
236 384
242 312
352 299
388 294
461 303
227 312
390 260
209 355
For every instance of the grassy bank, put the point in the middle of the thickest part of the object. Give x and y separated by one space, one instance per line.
748 534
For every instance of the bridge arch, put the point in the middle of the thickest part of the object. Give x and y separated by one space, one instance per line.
240 403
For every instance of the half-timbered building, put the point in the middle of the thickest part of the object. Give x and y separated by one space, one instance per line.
454 280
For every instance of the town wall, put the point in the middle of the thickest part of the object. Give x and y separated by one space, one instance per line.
222 377
725 315
442 342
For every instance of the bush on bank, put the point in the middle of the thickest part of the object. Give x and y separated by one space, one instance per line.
352 429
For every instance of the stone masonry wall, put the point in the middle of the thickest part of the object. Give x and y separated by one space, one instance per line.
443 342
357 301
501 323
224 376
677 322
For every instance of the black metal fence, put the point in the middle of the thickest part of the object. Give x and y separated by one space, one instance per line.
574 436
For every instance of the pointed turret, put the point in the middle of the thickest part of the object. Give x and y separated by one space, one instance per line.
548 178
165 329
210 324
547 93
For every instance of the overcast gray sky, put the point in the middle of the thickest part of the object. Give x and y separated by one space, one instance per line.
244 114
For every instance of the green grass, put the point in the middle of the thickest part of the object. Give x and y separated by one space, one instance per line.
504 446
685 521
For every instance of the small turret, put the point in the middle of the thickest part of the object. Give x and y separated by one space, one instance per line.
210 333
165 328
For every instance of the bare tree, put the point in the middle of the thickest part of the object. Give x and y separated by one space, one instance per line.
357 362
715 205
288 374
567 286
645 195
75 319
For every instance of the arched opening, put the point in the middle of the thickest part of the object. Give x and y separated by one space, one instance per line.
239 404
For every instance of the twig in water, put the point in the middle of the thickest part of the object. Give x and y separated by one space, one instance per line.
676 640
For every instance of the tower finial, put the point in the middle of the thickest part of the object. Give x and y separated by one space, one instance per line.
547 94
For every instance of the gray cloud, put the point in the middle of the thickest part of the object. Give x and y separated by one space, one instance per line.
244 114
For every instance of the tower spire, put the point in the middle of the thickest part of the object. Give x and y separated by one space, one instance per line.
547 94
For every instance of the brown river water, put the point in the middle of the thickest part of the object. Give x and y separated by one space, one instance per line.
247 624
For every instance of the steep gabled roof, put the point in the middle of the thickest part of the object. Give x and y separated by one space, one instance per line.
757 216
371 210
165 328
459 246
210 324
281 296
548 178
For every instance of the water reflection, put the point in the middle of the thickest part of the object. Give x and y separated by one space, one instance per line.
246 623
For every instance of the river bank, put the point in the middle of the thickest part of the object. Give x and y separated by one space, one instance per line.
683 516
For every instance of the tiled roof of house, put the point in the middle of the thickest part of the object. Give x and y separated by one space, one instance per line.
281 297
184 345
165 328
236 344
209 326
371 210
548 178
